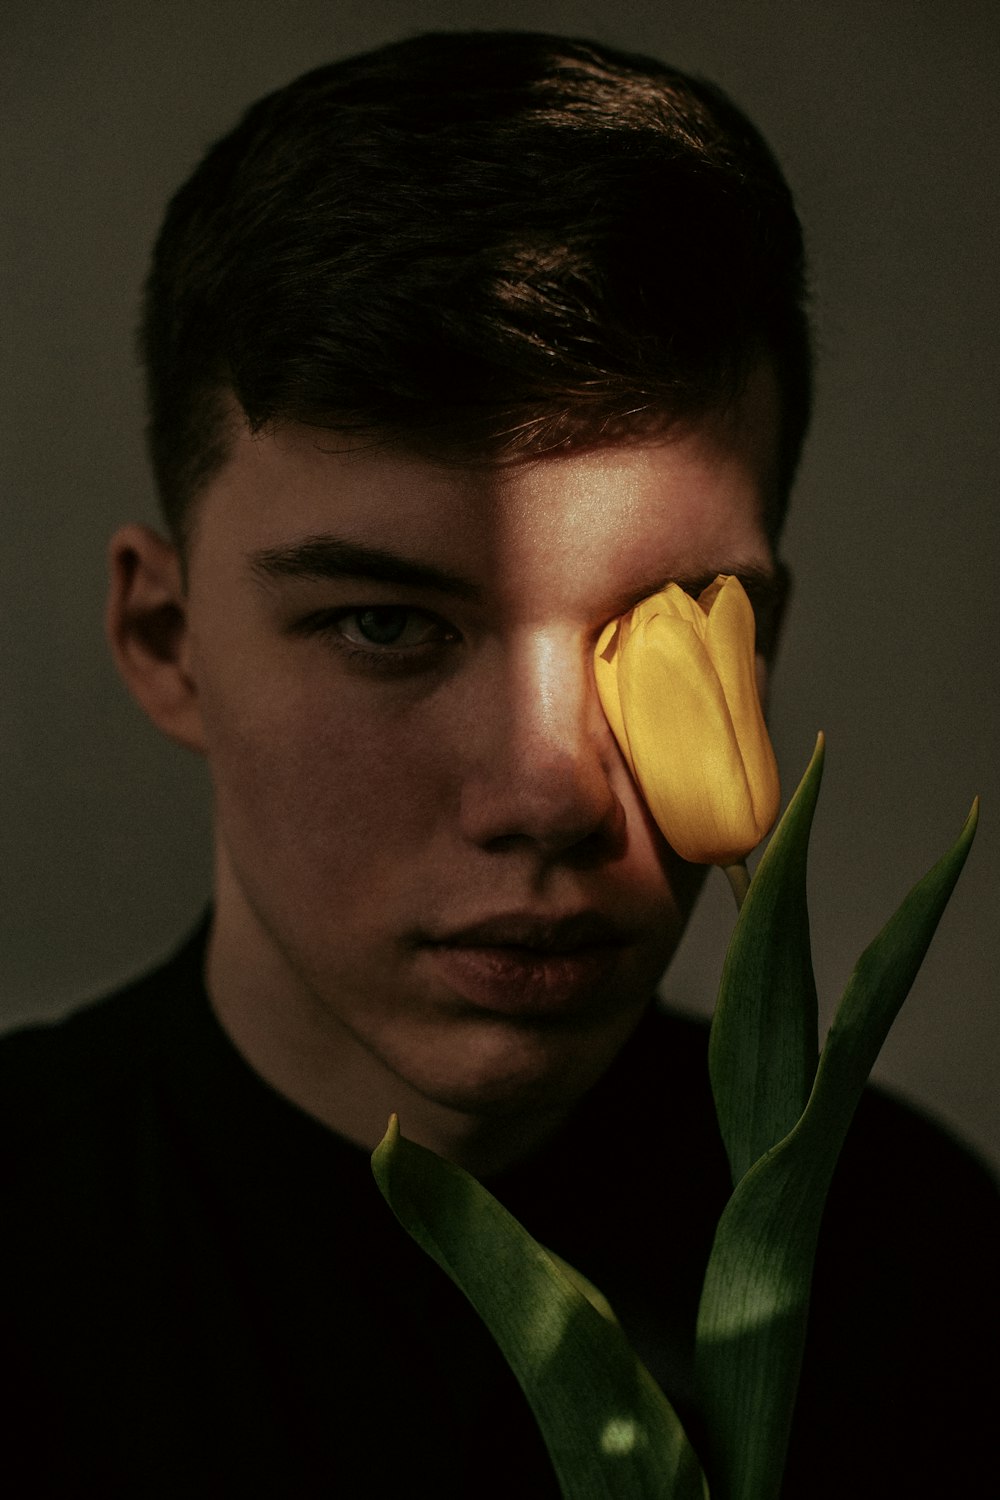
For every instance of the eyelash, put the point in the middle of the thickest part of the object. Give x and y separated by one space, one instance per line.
387 658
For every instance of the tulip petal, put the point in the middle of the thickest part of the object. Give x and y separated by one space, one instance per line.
606 659
673 603
676 679
729 640
687 757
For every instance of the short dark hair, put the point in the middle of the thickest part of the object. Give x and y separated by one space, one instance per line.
497 243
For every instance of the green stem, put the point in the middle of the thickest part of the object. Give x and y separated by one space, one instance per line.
739 880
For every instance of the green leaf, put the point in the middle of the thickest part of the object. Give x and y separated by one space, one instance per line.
764 1042
752 1318
610 1432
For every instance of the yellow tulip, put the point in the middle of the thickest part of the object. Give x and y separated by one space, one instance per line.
677 684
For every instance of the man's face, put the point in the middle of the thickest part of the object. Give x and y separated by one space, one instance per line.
429 848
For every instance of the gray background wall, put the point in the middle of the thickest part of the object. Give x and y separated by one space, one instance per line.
885 118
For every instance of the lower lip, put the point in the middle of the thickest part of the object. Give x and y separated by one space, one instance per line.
524 982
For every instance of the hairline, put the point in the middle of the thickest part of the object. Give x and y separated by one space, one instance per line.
662 426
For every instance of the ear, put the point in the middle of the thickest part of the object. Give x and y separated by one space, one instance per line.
147 627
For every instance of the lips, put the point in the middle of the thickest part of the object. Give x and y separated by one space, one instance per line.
529 966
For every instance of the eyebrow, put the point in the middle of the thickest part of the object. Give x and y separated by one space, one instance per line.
324 556
331 557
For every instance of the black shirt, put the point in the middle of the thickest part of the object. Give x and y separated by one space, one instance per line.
205 1295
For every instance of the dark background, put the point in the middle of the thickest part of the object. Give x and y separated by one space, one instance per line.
885 119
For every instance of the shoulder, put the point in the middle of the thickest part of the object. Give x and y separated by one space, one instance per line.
900 1170
910 1198
895 1142
62 1076
891 1142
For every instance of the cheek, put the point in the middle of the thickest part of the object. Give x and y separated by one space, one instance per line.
680 878
313 779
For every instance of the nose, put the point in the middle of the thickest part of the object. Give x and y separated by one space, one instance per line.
540 773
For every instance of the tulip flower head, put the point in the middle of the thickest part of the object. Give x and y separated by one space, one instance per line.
678 687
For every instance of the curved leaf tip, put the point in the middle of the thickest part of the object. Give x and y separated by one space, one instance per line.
385 1153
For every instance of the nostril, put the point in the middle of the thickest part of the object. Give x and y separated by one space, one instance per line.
557 805
543 769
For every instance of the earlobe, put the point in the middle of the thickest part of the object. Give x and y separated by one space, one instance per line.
147 627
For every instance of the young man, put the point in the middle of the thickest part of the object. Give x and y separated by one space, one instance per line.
456 351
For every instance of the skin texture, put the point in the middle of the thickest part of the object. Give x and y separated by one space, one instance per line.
384 780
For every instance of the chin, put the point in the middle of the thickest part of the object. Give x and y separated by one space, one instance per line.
504 1070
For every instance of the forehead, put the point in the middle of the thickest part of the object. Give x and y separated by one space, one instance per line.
697 497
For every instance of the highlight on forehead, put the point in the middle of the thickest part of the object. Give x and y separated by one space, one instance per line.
323 556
